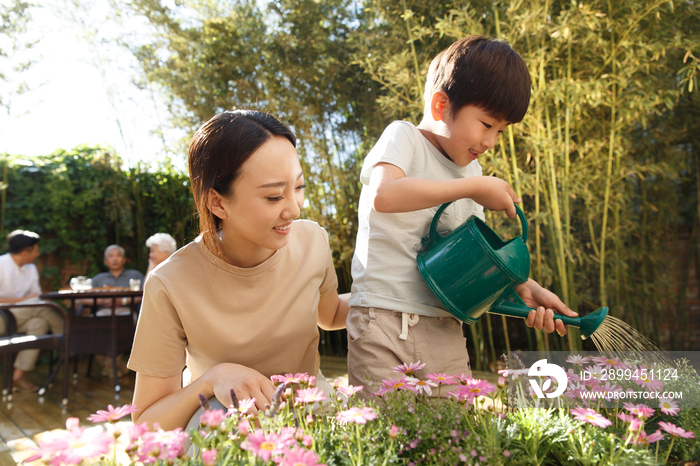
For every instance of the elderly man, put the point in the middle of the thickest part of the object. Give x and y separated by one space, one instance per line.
19 283
117 276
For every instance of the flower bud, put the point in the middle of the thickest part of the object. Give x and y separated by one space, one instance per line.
394 431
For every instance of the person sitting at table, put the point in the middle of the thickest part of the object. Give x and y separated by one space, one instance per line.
19 283
244 300
116 277
161 246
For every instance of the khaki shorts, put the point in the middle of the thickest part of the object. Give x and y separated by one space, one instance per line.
374 345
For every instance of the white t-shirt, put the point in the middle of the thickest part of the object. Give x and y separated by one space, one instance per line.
384 270
16 281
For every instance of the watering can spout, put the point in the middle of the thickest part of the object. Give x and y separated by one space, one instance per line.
514 307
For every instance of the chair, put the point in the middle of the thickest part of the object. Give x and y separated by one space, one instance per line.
13 342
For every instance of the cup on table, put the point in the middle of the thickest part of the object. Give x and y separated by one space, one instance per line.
80 283
134 284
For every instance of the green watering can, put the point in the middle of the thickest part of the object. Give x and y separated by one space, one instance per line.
472 271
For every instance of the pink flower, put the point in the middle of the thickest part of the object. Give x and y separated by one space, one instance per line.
675 431
473 389
208 457
356 415
596 375
135 431
626 417
576 390
610 363
350 390
645 439
245 405
641 410
650 384
307 441
577 360
422 386
462 379
590 416
441 379
512 373
383 390
297 456
506 453
112 414
212 418
75 444
297 378
635 425
161 445
410 368
401 384
669 406
265 445
244 428
310 395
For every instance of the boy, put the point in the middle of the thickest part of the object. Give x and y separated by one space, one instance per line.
475 88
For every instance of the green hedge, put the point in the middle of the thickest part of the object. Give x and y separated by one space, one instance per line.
82 200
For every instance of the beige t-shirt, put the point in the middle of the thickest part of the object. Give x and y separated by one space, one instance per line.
199 311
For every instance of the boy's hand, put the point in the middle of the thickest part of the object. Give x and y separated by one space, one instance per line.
494 194
546 303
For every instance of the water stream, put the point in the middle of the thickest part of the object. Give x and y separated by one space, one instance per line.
616 339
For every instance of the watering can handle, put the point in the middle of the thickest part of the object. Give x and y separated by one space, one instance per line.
434 237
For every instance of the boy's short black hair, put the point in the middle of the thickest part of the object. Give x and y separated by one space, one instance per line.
19 240
483 72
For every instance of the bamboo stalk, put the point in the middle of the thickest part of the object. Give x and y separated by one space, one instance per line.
419 82
514 162
492 346
608 177
572 336
556 216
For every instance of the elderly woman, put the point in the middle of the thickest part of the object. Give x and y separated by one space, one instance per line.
161 246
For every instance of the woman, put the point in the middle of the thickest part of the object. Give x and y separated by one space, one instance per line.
160 247
243 301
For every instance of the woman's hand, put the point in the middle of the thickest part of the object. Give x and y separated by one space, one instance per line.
546 303
245 382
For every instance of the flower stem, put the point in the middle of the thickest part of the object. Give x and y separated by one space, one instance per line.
670 447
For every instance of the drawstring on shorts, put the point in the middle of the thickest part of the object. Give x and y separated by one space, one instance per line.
407 320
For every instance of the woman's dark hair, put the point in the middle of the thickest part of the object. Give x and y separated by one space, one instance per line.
486 73
19 240
217 152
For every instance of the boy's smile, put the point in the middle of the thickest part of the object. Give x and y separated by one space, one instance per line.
465 137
